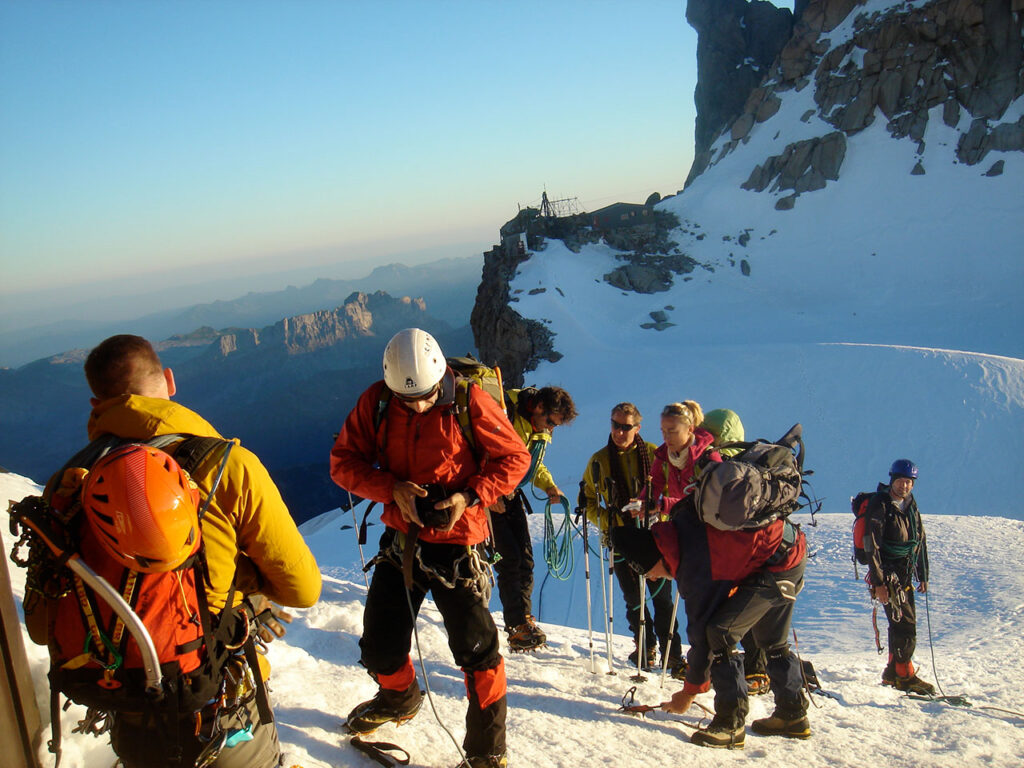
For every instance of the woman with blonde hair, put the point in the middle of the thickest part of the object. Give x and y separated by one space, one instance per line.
674 468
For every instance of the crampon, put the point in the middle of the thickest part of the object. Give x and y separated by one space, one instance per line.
630 706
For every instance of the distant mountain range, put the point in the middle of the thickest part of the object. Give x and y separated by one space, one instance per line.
448 286
283 387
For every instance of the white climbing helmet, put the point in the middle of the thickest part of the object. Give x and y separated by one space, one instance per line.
413 363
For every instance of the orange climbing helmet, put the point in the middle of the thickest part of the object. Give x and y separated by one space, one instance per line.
142 507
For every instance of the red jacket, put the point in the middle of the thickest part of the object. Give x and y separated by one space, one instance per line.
429 448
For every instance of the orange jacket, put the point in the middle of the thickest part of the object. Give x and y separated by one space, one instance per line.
429 448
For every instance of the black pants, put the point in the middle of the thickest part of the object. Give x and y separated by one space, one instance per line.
660 596
472 635
514 571
754 661
762 605
903 633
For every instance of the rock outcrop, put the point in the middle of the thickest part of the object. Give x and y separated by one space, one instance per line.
963 55
503 336
961 59
737 43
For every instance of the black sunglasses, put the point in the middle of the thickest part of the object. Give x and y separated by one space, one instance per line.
623 427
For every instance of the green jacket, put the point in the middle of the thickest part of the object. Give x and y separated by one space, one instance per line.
596 491
541 477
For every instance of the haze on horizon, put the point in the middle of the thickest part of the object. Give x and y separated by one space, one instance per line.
237 139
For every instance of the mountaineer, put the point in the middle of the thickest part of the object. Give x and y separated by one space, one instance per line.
894 543
401 446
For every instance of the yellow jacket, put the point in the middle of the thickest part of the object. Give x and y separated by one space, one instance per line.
596 491
247 518
541 476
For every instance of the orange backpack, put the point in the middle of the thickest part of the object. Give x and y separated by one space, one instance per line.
122 640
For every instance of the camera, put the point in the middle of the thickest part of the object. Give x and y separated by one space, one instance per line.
433 518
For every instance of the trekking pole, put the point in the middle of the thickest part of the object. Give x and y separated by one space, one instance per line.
595 474
668 642
610 496
641 649
581 511
359 544
604 605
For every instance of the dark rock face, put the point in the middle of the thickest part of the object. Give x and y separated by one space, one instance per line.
503 336
736 45
963 55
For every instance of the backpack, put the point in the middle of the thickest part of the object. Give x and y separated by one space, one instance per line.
760 484
859 505
120 640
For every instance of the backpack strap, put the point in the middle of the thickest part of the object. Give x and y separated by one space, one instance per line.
462 413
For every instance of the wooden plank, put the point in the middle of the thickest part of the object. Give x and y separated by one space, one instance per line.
19 714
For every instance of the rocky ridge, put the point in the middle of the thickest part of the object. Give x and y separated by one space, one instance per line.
964 56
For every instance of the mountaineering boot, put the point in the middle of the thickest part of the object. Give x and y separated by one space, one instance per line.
650 658
386 706
889 676
485 761
720 735
792 726
914 684
677 667
757 684
526 637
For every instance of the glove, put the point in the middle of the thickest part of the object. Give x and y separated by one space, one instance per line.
268 617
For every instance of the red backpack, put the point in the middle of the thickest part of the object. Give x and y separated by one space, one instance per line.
859 505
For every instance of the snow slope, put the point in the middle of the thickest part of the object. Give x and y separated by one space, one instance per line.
564 712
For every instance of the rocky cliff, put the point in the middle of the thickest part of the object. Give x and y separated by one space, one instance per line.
362 315
737 43
502 336
960 61
964 56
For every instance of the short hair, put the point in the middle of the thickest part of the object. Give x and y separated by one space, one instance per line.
121 365
629 409
556 401
688 409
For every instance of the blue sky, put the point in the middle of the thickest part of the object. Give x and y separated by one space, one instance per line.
137 136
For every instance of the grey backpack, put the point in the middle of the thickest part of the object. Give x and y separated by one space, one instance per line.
762 483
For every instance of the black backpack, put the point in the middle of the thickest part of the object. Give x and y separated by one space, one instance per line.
764 482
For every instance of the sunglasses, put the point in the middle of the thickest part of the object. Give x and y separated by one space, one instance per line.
416 398
623 427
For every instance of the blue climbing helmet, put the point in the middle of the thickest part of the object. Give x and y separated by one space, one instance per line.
903 468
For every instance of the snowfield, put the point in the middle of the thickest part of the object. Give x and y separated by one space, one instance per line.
563 711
